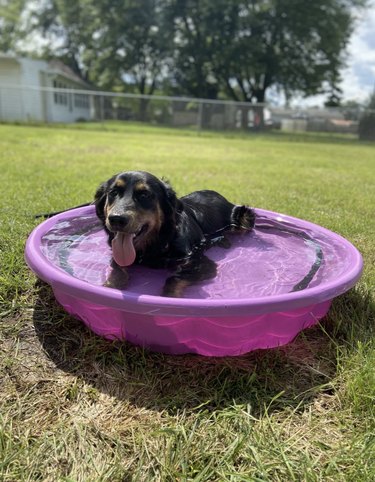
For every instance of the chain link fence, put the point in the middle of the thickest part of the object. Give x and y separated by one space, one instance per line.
64 105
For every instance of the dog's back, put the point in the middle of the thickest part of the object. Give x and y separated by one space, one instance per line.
214 213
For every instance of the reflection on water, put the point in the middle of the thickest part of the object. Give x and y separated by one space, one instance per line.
275 258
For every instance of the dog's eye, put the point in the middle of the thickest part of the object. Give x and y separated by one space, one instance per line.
144 194
112 192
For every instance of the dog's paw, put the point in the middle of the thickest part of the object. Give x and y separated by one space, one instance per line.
174 287
118 279
221 242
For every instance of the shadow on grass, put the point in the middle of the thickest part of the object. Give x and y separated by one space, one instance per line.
289 376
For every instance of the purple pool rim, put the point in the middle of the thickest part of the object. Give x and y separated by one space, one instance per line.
156 317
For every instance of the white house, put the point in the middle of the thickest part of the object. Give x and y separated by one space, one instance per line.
27 91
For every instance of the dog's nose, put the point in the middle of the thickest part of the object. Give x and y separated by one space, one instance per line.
118 221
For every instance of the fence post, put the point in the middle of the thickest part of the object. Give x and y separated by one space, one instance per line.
200 115
101 108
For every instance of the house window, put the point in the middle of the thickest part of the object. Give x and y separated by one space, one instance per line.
81 101
60 98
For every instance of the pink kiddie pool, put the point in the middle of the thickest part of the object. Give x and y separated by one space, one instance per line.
272 283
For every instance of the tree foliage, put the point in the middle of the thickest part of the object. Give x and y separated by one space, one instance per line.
10 23
132 42
246 47
106 41
205 48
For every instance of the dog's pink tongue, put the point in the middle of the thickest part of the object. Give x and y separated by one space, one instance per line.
123 250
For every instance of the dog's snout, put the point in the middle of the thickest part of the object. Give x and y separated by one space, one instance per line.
118 221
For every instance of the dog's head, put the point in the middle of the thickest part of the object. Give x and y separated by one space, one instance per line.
136 208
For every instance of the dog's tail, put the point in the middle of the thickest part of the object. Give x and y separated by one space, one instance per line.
49 215
242 218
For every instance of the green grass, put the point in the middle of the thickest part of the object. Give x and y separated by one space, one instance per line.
74 407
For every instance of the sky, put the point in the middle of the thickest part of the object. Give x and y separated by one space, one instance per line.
359 76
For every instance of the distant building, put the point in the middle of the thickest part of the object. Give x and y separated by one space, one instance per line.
26 91
330 119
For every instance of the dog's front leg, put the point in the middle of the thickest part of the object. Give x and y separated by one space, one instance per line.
192 270
118 277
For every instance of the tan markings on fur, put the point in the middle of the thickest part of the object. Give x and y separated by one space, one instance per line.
154 220
118 278
106 208
120 183
140 186
159 218
176 290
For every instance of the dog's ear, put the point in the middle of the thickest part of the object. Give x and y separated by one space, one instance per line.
172 203
99 200
101 196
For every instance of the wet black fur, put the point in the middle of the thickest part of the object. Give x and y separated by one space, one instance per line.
190 225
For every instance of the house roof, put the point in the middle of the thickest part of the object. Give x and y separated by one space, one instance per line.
4 55
59 68
55 67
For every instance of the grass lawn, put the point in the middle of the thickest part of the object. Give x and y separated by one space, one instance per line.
74 407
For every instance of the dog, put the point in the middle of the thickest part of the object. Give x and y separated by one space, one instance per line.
148 224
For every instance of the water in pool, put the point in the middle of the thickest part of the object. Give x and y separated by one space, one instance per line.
275 258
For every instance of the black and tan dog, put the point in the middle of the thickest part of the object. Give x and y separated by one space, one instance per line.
147 224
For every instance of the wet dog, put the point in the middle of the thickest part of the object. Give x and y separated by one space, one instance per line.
148 224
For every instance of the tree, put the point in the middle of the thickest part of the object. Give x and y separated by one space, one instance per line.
297 46
199 30
108 42
67 27
206 48
114 44
245 47
131 42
